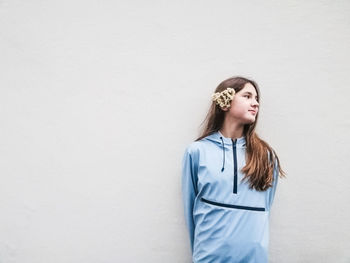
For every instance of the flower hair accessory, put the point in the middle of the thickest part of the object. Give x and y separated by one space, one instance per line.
224 98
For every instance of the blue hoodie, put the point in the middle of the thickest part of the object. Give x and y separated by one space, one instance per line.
227 221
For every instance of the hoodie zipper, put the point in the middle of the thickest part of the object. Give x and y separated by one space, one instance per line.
234 165
233 206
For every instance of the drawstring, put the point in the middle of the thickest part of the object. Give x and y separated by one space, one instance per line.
223 152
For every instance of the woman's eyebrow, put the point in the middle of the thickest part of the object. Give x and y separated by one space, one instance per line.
249 93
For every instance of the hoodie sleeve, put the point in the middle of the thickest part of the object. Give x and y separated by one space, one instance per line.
274 183
189 190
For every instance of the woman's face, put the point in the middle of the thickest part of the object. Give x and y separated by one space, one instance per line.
244 106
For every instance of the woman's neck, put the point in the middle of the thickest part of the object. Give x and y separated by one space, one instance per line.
232 131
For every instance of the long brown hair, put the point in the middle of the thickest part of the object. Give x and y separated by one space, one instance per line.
258 169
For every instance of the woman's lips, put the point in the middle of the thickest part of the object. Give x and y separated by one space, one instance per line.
253 111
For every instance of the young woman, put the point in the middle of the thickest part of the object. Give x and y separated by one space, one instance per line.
229 179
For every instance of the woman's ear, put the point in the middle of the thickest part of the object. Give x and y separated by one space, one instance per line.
225 109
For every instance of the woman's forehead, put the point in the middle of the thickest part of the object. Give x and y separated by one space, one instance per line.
248 87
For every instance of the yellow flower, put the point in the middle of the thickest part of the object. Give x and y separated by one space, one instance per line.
224 98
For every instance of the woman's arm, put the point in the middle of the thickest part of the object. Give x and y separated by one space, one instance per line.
274 184
189 191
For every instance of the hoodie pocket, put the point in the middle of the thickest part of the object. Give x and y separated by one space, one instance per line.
232 206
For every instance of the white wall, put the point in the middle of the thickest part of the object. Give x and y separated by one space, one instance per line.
98 100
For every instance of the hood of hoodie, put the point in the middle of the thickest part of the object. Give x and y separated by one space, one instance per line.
224 142
220 139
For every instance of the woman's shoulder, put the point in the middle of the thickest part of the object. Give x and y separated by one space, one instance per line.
195 146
